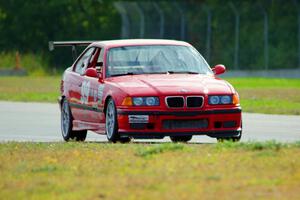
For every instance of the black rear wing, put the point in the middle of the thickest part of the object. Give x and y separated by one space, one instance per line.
73 44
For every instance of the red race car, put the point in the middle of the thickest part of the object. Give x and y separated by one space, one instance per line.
146 89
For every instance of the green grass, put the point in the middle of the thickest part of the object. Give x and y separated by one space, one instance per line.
259 95
149 171
157 149
37 89
253 82
268 95
34 64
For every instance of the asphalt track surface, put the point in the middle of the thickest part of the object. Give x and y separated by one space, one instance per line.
40 122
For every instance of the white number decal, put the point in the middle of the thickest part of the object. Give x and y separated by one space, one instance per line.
85 91
100 93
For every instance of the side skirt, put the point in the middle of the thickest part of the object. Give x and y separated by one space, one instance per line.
81 125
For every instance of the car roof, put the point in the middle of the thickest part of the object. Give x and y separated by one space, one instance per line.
136 42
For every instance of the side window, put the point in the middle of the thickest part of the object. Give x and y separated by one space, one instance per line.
84 61
94 57
100 58
99 63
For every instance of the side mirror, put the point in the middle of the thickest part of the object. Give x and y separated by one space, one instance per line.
91 72
219 69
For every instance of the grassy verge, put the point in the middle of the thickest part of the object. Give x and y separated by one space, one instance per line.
39 89
149 171
34 64
269 95
261 95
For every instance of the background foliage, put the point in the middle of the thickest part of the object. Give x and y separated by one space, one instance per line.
27 26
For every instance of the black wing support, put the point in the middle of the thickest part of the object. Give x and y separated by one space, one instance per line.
73 44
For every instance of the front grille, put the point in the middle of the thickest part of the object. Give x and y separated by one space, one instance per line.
185 124
194 102
175 102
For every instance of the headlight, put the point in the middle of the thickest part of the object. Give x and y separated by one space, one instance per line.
213 100
138 101
226 100
145 101
220 99
151 101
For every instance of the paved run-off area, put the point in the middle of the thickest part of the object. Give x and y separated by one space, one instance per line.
41 122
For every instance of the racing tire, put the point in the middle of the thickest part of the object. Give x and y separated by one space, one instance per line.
79 135
67 124
184 138
232 139
124 139
111 122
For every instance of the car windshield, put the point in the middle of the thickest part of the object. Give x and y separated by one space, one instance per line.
152 59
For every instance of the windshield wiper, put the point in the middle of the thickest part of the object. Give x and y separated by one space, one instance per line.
167 72
155 72
182 72
128 73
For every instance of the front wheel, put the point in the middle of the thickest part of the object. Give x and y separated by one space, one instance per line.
184 138
67 125
111 122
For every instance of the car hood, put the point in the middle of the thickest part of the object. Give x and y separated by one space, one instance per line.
171 84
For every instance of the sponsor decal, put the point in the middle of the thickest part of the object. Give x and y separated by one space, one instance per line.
138 118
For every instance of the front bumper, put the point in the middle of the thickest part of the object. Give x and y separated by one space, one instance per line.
219 123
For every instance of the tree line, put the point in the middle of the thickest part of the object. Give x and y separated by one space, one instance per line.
27 26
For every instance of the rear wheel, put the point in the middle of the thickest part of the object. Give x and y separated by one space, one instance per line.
184 138
67 124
